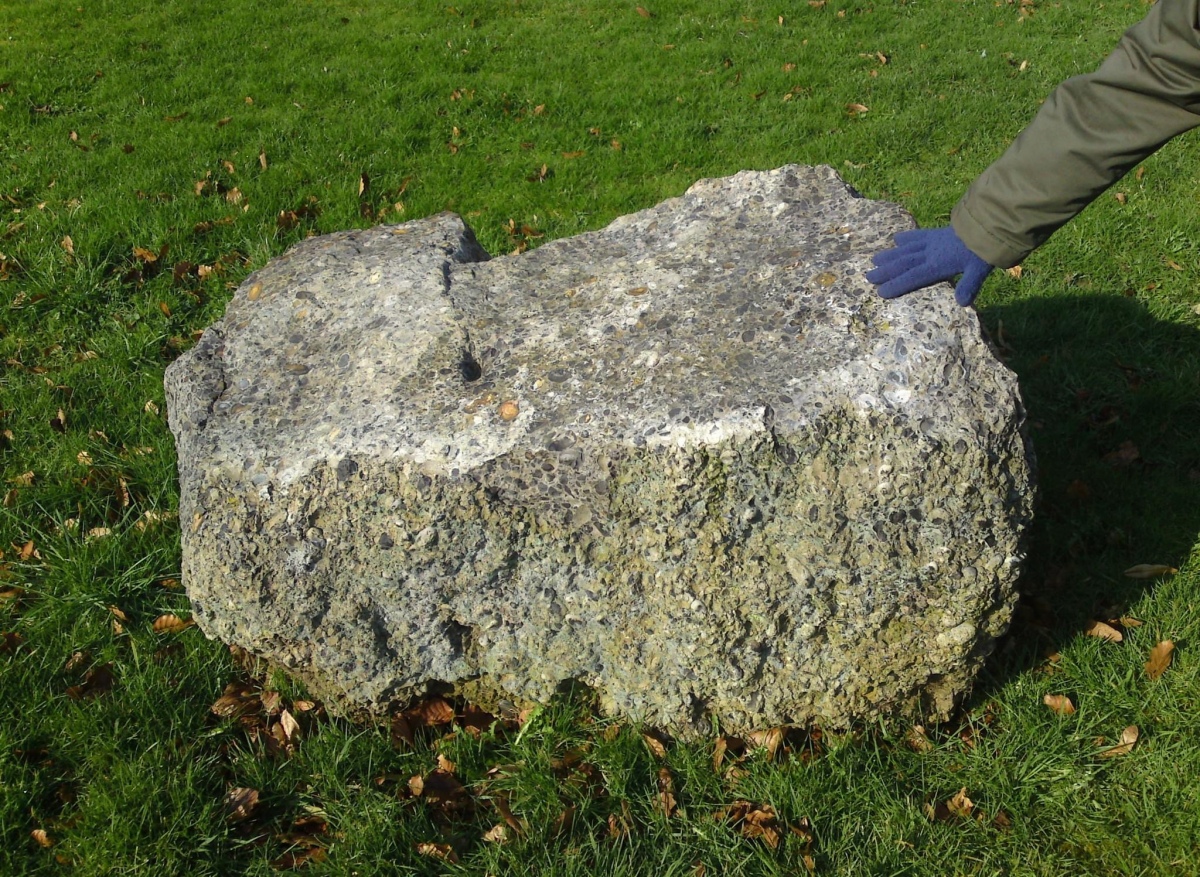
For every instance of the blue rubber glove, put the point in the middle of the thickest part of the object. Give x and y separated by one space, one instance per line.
925 256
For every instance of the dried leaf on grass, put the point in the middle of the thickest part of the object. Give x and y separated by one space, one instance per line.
1129 737
438 851
666 793
1104 631
760 822
291 728
1160 659
957 806
42 838
518 826
753 821
238 699
171 624
620 824
97 681
443 791
434 713
497 834
298 858
917 740
1059 704
655 744
1150 571
564 821
240 803
769 739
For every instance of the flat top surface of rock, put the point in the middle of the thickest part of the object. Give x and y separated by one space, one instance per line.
629 324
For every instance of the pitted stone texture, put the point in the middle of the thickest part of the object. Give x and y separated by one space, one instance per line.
690 459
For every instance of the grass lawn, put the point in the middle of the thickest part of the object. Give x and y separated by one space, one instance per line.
152 155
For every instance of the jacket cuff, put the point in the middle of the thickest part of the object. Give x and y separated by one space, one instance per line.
984 242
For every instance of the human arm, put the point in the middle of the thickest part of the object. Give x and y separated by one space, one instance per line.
1090 131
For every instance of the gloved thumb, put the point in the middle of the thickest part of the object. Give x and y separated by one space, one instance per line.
971 281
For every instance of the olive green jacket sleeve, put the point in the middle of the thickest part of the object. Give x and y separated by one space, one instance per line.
1088 133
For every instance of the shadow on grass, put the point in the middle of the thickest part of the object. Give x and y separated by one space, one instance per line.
1113 399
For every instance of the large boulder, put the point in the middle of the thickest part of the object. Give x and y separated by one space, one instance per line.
691 460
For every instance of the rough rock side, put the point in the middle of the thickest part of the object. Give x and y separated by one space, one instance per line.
689 459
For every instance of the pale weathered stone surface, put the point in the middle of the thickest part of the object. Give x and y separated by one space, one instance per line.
689 459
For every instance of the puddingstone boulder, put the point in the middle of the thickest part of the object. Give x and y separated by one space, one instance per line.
691 460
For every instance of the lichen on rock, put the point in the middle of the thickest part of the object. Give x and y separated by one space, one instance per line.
690 459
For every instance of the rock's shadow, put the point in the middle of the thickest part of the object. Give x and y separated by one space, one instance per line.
1113 395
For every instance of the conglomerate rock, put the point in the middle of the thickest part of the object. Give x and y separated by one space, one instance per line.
690 459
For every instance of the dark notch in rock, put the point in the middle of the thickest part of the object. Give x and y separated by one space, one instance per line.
469 366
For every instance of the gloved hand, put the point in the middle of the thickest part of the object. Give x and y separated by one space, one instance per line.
924 256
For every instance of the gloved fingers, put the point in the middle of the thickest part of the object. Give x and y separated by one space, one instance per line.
887 257
906 243
893 265
971 282
915 278
913 237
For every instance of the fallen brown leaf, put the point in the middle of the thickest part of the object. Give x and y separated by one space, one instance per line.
768 739
518 826
1059 704
1128 738
441 790
643 12
402 732
960 805
666 793
856 109
42 838
1150 571
11 641
917 740
497 834
295 859
655 745
438 851
240 803
171 624
97 681
1104 631
291 728
237 700
1160 659
435 711
564 821
1126 455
